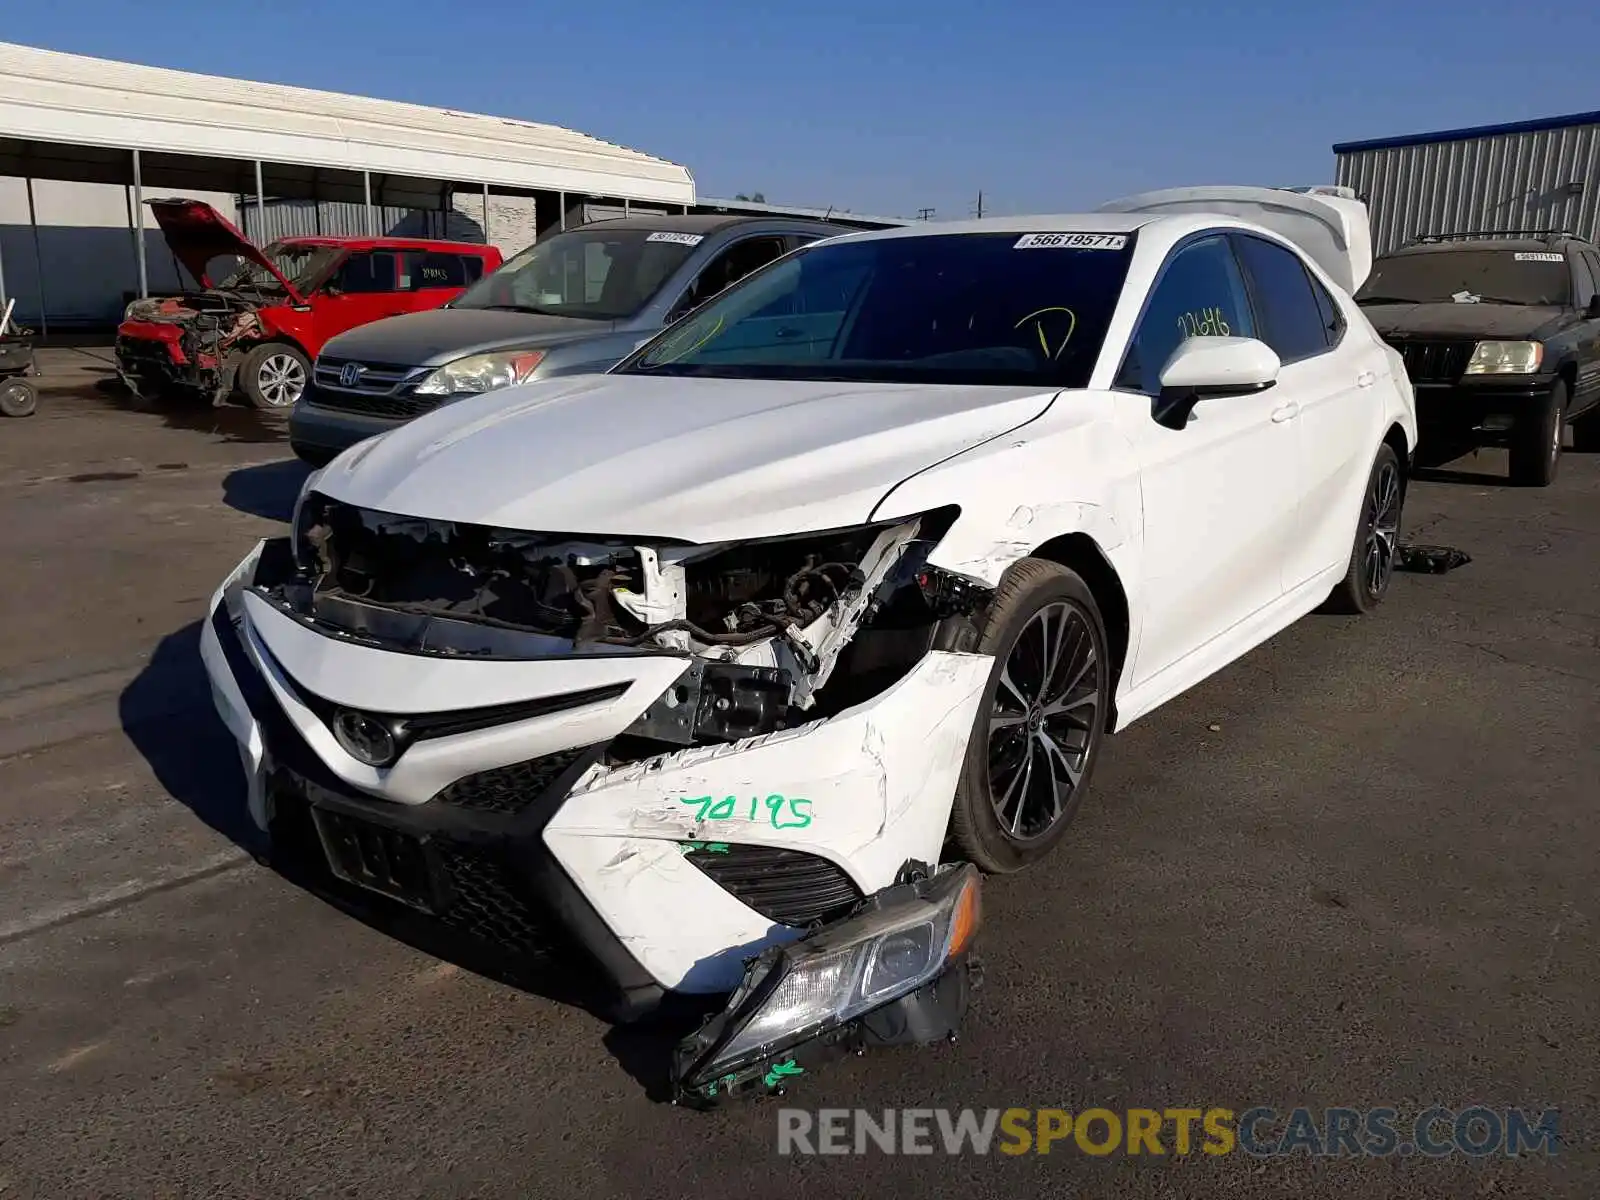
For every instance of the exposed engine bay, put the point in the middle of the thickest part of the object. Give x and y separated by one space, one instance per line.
780 631
193 341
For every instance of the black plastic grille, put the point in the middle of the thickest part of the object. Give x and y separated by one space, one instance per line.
377 857
1434 362
508 789
485 903
787 886
403 407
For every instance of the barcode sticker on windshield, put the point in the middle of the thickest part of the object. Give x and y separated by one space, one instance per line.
680 239
1071 241
1523 256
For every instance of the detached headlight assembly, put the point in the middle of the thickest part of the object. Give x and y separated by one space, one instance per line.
481 373
895 971
1505 358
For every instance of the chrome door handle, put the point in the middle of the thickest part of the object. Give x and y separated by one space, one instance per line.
1288 412
1366 379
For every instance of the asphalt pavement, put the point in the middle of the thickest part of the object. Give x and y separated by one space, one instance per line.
1356 869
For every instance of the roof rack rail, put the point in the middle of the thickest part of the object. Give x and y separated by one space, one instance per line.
1547 235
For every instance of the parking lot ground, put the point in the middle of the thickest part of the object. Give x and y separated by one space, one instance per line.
1358 868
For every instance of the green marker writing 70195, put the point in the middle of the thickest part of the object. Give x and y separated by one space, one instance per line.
781 812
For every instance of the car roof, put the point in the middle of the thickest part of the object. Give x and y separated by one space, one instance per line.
1045 223
700 222
390 243
1539 244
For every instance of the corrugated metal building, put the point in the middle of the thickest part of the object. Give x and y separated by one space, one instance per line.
84 141
117 133
1541 174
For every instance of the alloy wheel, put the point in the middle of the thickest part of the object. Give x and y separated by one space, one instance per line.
281 379
1383 530
1045 719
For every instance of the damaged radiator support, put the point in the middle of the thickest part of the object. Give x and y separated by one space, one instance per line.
717 702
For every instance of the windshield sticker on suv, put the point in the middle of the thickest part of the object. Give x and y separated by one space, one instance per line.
1527 256
680 239
1071 241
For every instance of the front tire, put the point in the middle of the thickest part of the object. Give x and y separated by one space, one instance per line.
1041 722
17 398
1536 441
273 376
1372 557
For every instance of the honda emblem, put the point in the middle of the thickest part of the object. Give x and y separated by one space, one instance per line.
350 374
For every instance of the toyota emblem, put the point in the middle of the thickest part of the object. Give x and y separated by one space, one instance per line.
364 738
350 374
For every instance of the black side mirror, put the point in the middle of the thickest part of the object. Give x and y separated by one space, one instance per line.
1174 406
1593 311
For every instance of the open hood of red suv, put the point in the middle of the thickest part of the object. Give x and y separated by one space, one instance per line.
198 233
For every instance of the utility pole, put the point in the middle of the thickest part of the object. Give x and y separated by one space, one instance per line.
924 214
980 206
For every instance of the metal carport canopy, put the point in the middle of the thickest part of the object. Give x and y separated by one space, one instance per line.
71 100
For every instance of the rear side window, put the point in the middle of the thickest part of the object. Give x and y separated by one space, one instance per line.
472 266
1201 293
1332 317
427 269
1292 322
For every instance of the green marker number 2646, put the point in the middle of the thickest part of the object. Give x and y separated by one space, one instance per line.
781 812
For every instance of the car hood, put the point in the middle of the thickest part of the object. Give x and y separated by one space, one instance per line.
196 233
1463 320
701 460
439 335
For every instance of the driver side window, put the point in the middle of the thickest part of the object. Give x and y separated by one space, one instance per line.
732 265
1200 293
366 272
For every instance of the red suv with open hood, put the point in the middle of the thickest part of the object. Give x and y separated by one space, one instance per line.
259 326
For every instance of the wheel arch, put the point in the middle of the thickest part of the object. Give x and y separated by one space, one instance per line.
1567 372
1395 438
281 337
1081 553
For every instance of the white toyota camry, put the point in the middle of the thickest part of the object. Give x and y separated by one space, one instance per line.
848 574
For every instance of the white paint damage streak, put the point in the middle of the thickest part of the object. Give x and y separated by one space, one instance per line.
872 750
1041 523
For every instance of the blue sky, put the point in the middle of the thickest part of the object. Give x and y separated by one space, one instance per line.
887 108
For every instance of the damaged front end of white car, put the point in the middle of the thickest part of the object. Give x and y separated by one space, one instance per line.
717 669
660 757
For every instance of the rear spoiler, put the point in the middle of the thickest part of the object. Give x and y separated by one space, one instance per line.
1329 223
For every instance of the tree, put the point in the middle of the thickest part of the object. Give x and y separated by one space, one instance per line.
753 198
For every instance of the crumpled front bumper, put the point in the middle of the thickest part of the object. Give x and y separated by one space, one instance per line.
668 873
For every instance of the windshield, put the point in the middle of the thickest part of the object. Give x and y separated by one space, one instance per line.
303 265
1000 308
604 275
1486 276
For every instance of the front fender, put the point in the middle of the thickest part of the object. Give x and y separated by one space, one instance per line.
1070 471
